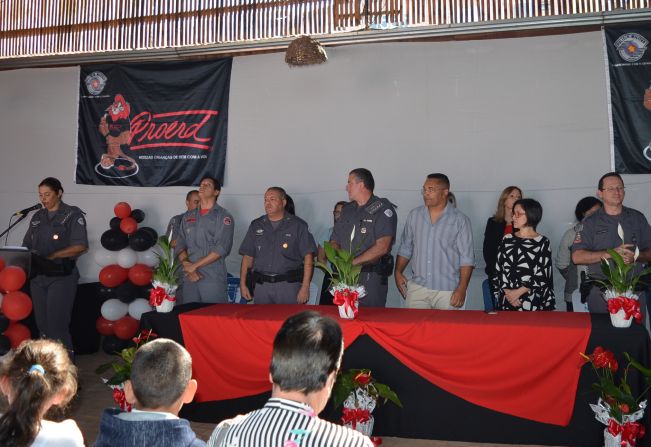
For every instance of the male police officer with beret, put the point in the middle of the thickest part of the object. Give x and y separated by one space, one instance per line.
278 250
374 220
599 233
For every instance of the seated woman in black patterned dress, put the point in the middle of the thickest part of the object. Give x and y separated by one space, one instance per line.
523 271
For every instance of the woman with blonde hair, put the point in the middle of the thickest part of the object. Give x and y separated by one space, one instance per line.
38 377
497 226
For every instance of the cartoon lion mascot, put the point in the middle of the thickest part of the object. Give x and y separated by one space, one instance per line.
115 125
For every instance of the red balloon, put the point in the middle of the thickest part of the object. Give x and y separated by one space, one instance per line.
113 275
122 210
140 274
12 278
2 264
126 327
16 306
104 326
128 225
17 333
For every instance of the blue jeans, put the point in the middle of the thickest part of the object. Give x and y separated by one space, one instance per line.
489 301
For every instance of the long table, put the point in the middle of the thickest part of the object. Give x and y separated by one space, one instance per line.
464 376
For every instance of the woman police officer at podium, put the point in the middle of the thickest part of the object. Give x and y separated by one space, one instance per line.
57 232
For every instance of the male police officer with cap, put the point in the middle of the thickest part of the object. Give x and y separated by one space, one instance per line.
375 221
204 241
599 233
280 251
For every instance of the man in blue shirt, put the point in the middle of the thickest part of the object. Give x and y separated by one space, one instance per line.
437 238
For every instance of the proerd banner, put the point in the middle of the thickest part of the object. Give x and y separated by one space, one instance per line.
154 124
629 69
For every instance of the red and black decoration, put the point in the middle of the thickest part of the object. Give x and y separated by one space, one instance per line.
153 124
629 69
127 260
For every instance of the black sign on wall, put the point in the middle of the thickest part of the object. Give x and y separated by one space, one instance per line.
629 69
155 124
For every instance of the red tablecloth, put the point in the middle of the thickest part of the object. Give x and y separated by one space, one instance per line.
521 363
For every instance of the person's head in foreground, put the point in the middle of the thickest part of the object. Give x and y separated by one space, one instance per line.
161 377
37 377
306 357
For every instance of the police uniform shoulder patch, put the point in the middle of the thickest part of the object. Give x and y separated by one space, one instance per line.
227 220
374 207
81 221
388 212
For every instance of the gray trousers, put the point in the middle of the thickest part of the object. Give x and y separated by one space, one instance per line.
376 289
53 298
597 304
203 291
276 293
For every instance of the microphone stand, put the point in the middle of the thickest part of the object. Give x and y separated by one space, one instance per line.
19 220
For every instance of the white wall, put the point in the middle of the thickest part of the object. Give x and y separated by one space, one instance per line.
530 112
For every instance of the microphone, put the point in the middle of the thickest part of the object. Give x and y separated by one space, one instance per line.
38 206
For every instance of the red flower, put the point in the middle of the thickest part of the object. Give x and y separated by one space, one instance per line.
363 378
625 408
602 358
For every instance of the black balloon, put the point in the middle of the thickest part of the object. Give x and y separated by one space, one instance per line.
4 323
112 344
114 240
105 293
5 344
115 223
142 239
151 232
138 215
127 292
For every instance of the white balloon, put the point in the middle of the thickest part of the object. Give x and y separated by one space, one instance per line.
104 257
138 307
114 309
148 257
127 258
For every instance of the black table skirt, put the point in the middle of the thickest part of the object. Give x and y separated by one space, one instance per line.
432 413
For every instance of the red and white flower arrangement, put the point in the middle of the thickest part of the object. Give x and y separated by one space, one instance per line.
344 277
162 294
617 408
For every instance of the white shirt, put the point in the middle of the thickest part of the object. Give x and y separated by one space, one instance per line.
59 434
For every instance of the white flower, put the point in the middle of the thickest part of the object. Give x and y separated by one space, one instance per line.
352 235
637 254
620 232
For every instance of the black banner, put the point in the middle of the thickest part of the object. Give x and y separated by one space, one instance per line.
154 124
629 68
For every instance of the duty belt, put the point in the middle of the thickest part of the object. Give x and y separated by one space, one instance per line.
290 276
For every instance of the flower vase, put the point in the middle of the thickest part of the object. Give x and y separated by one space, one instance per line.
612 441
361 402
619 319
166 304
346 313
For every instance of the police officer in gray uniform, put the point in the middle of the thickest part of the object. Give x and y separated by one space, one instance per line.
191 202
278 251
375 222
57 232
205 239
599 233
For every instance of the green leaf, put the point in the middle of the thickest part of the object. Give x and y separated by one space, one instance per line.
387 393
103 368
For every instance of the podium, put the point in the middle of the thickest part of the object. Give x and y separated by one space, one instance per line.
33 264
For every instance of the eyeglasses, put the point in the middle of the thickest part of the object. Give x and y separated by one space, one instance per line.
430 190
614 188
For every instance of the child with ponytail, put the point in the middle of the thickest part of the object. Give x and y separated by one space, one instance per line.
37 377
